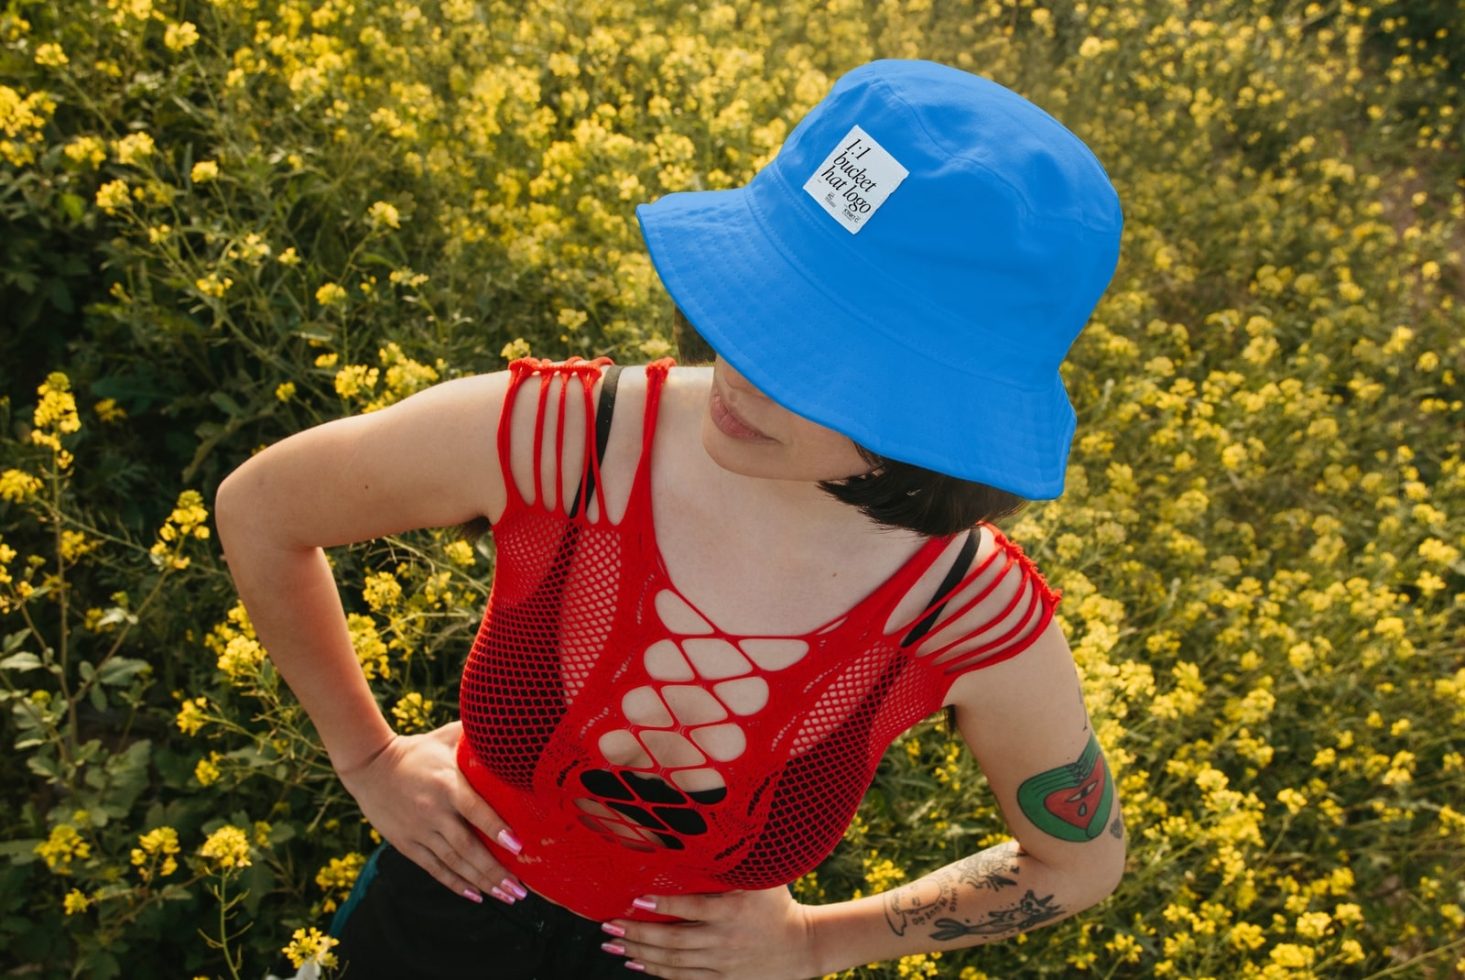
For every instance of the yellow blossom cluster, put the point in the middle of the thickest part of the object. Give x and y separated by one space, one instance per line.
189 520
155 854
226 849
338 877
238 650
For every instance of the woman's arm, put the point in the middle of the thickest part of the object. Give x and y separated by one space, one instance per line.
1025 722
429 461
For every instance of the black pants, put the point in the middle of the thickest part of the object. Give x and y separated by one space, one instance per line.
399 923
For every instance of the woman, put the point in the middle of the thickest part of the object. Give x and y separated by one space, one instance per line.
721 592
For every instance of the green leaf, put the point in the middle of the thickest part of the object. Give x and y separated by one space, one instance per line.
226 404
71 205
98 698
20 851
21 662
121 670
14 640
44 766
115 615
86 670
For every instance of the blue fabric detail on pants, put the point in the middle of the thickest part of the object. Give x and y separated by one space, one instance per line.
363 881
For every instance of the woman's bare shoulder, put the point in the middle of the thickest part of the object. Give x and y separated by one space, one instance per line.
423 462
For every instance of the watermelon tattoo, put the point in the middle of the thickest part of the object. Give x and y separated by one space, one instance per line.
1071 802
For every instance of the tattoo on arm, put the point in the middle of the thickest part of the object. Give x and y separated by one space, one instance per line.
1071 802
918 903
1029 911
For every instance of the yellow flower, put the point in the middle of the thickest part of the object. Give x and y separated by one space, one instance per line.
51 56
383 215
207 770
1313 925
381 591
1294 801
1091 47
327 360
330 294
189 520
75 544
133 148
1437 552
63 846
76 902
338 877
87 151
289 256
112 196
204 171
227 849
1292 956
285 391
352 379
159 843
109 411
213 286
515 349
371 651
191 715
177 37
413 713
311 947
18 486
1246 935
460 553
240 658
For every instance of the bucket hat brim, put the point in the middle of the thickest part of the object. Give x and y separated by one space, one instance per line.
761 303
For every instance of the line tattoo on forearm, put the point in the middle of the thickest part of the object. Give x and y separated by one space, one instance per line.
916 905
1029 911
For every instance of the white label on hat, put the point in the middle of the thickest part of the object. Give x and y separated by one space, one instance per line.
855 179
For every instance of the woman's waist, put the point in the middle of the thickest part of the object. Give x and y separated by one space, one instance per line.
596 854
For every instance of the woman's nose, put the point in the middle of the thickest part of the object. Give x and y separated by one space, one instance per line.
736 381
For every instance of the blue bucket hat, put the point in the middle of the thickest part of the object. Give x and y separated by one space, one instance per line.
909 270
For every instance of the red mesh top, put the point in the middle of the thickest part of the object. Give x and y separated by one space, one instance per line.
637 748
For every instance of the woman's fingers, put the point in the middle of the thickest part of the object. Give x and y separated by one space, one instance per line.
425 859
462 851
478 813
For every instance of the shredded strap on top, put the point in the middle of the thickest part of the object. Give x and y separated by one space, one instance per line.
638 747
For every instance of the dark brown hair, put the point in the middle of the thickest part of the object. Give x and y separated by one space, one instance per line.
892 494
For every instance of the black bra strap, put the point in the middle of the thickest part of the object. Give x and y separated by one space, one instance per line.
956 574
604 409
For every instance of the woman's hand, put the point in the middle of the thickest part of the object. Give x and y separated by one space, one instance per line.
742 935
417 798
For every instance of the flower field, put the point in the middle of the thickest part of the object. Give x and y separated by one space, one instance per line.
225 222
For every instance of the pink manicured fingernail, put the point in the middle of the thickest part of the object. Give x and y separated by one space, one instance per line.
470 893
615 949
514 888
501 896
646 904
633 965
510 841
613 929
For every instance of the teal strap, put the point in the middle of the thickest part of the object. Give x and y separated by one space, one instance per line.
363 881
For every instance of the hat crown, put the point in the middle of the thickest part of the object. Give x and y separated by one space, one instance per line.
997 223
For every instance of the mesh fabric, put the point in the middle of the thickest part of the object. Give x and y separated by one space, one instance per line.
636 748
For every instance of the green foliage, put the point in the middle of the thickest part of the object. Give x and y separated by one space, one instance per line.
227 222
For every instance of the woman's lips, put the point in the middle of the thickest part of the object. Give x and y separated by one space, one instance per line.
730 425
